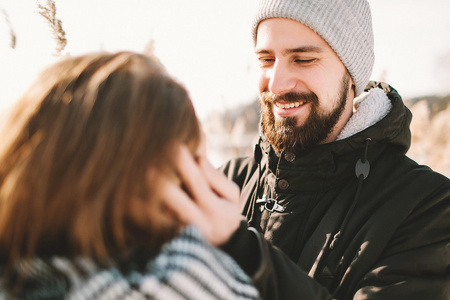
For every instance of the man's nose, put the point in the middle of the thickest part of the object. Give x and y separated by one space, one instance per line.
281 79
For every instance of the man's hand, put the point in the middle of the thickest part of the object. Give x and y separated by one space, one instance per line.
206 198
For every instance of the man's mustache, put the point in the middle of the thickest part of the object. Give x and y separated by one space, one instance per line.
270 98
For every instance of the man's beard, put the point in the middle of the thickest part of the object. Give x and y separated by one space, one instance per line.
285 135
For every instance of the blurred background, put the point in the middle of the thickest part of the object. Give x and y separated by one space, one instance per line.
207 46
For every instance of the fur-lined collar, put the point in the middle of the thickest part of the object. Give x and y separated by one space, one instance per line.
370 107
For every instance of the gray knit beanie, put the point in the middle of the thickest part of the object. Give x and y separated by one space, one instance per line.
346 25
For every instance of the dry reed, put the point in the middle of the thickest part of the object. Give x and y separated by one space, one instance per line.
12 34
48 11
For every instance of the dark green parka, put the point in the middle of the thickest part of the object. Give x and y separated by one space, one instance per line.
361 220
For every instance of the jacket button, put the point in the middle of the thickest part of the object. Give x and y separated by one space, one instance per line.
290 157
283 184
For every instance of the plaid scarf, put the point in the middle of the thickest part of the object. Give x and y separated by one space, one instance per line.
187 268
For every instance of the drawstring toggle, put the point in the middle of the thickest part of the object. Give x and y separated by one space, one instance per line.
362 165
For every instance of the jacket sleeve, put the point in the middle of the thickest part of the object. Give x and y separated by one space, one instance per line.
416 263
273 273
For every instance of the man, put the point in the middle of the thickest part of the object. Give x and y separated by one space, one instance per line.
382 233
334 208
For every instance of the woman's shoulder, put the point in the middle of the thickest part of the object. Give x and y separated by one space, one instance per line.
190 266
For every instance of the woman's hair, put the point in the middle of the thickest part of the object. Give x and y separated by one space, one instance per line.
76 153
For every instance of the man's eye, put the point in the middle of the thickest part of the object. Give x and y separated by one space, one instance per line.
264 61
305 61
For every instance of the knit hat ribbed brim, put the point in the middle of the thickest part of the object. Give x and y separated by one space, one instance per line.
346 25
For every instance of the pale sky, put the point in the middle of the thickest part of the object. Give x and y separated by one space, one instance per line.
206 44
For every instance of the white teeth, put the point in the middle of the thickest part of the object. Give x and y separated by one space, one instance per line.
289 105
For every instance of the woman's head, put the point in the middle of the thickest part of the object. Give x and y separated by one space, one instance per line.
76 153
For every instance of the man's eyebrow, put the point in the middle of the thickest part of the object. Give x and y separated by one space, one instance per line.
262 51
305 49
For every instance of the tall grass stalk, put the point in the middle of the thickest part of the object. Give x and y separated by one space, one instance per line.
12 34
48 11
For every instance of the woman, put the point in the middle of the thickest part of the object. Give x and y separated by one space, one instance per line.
88 181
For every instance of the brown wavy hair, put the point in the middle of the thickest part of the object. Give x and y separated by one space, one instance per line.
75 156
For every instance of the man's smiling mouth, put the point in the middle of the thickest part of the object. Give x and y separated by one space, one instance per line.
289 105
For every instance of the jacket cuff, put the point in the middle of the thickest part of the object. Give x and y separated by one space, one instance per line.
248 249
